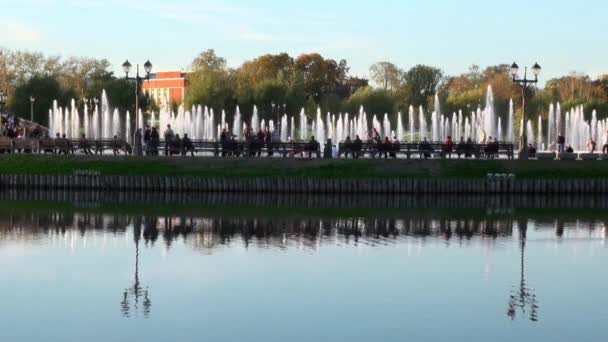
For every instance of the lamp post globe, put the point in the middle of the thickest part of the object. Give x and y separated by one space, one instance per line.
536 69
148 67
126 67
514 69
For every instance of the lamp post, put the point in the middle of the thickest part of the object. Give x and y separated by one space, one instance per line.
32 99
3 98
525 84
126 66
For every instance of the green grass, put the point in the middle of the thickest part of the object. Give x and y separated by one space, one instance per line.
276 167
262 212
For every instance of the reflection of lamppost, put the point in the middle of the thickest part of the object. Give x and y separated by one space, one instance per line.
32 99
136 291
523 296
525 84
126 66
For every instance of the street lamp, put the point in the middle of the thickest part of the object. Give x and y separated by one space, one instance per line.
525 84
126 67
32 99
3 98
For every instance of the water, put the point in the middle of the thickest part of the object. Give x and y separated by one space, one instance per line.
157 267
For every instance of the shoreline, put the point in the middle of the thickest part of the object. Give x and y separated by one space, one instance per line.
301 185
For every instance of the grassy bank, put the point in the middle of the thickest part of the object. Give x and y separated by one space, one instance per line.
276 167
262 212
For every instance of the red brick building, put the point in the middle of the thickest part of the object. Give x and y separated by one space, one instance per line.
166 87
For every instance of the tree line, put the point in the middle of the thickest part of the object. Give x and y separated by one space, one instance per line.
281 83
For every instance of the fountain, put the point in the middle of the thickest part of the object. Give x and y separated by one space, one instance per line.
103 122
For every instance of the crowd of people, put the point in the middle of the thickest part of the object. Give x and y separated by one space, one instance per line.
11 127
254 143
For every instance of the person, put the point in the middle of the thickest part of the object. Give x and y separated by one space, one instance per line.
312 146
259 143
187 145
569 149
36 132
395 147
268 141
448 146
176 145
85 146
460 147
376 136
154 141
386 148
168 138
357 146
468 148
147 138
425 148
531 151
348 147
561 142
64 144
605 147
116 145
591 145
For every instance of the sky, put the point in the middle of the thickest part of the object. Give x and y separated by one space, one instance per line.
563 36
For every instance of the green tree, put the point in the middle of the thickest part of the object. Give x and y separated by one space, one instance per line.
423 82
208 61
45 90
375 101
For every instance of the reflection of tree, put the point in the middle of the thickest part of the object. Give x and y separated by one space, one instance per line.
524 297
132 296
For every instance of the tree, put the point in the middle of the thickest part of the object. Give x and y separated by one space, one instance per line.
423 82
386 75
375 101
321 76
210 88
78 73
208 61
45 89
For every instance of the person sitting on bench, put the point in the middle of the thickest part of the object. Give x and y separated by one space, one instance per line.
357 146
85 145
187 145
425 149
448 146
116 145
312 147
348 146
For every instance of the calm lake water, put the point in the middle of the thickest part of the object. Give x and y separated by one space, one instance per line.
149 267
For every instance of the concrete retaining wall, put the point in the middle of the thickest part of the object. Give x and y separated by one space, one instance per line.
302 185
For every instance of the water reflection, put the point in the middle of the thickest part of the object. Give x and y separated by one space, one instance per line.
132 296
523 297
487 221
206 233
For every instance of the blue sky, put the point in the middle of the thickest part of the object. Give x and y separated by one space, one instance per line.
562 35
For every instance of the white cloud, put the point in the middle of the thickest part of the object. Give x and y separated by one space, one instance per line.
15 31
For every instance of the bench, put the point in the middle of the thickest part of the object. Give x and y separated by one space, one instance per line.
110 144
567 156
588 156
6 145
26 145
545 155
